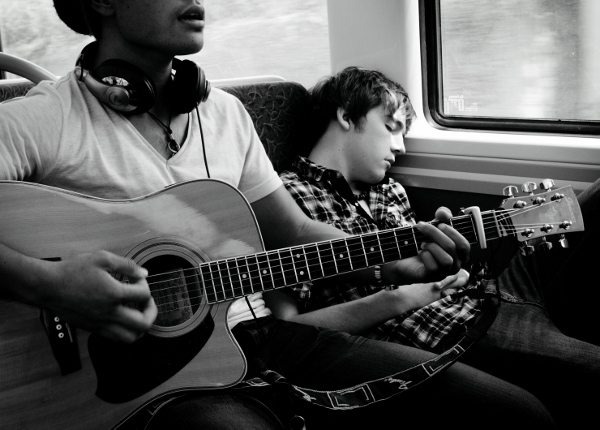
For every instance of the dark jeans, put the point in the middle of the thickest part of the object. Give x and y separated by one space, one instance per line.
461 396
546 337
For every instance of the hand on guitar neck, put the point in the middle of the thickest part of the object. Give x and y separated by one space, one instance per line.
442 254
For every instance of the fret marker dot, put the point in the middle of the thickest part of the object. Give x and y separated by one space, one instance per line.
406 242
297 255
244 276
264 272
302 272
341 255
372 249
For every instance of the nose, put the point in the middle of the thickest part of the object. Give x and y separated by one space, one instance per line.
398 147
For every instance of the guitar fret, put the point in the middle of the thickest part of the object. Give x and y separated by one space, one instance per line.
210 296
372 249
313 263
364 250
258 272
415 241
218 288
399 242
276 268
300 267
349 255
383 259
407 242
244 275
266 272
388 244
341 256
231 288
287 267
320 261
327 259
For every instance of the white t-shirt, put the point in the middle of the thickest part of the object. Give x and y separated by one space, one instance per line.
61 135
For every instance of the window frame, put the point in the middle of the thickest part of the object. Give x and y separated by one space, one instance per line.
432 67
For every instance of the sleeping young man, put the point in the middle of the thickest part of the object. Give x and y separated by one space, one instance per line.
357 123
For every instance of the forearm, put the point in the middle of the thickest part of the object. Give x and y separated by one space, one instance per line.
21 276
353 317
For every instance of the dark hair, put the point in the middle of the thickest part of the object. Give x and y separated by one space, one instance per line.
79 16
357 91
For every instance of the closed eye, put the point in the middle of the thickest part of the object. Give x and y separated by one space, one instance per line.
395 127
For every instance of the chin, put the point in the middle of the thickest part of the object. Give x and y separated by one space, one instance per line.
192 48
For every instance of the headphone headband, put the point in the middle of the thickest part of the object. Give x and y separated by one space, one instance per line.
126 88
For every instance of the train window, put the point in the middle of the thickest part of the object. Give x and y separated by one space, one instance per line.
271 37
509 64
32 30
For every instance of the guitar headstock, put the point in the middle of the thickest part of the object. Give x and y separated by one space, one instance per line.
542 214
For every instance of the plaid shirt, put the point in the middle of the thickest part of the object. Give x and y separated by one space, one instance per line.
324 195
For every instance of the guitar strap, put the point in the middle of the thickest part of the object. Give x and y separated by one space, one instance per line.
381 389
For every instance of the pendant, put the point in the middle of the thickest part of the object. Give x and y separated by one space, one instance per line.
173 145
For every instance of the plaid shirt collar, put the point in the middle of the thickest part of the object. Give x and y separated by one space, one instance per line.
310 170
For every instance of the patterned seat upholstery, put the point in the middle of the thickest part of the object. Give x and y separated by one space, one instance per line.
277 110
14 89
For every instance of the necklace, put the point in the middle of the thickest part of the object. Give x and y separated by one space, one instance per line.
172 144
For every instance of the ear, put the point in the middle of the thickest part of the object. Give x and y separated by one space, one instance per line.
343 120
103 7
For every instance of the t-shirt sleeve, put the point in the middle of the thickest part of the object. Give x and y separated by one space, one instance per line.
30 128
259 178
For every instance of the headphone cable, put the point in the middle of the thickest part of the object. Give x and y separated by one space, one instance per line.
203 145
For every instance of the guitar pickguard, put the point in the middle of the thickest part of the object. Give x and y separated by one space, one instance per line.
126 371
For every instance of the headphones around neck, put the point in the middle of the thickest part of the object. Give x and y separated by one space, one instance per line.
127 89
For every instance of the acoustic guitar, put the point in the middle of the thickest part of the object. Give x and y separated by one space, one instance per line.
202 247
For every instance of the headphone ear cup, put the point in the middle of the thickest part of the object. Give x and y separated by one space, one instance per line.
190 86
142 94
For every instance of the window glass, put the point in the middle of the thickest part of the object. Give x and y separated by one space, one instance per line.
269 37
534 59
32 30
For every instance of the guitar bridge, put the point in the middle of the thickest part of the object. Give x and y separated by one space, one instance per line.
63 341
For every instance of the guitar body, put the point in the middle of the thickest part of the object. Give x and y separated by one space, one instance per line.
193 349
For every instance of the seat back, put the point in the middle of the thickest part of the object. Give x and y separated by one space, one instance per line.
12 88
278 110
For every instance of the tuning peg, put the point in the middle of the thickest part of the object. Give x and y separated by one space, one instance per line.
563 241
547 184
545 245
510 191
565 225
526 249
529 187
527 232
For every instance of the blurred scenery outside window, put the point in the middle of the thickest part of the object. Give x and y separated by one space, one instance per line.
288 38
534 59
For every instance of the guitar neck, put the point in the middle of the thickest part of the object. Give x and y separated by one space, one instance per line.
240 276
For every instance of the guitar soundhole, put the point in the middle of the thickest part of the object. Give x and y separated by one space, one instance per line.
176 289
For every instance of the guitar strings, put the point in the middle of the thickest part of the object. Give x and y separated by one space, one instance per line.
234 285
310 260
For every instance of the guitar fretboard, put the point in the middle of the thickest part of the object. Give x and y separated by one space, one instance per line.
240 276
